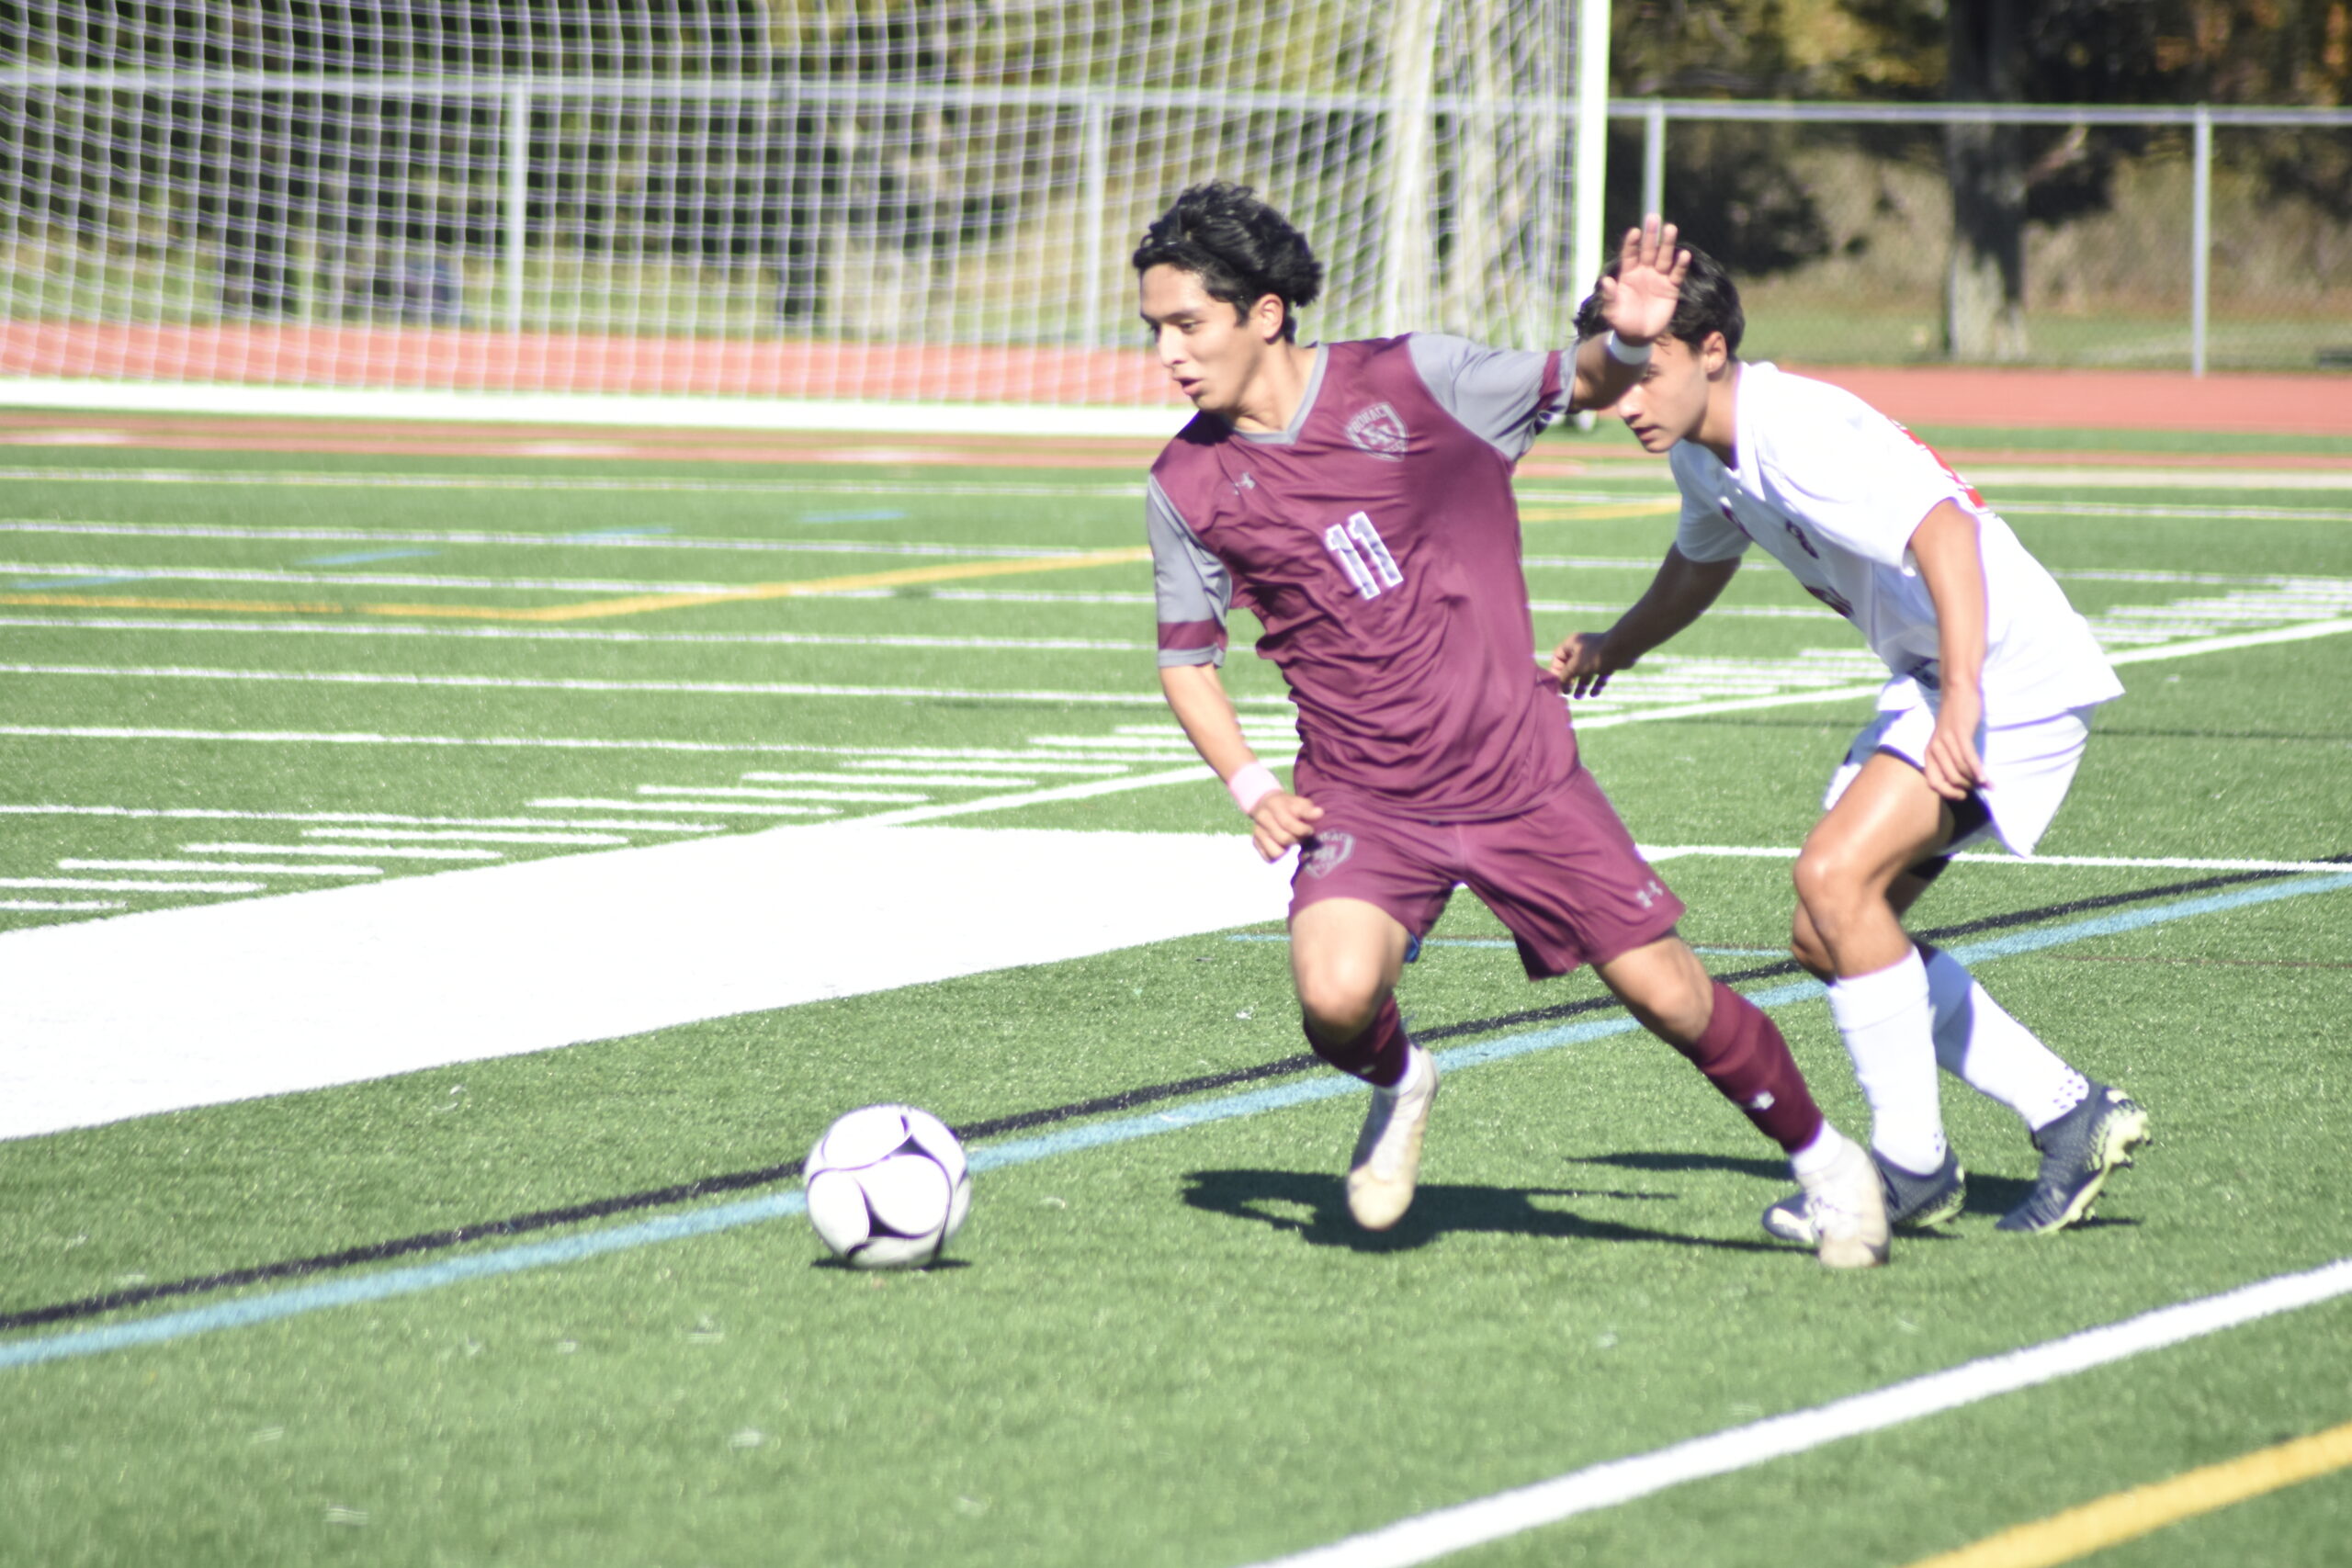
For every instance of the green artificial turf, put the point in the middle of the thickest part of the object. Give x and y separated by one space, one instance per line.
1174 1349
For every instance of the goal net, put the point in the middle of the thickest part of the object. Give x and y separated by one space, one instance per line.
917 203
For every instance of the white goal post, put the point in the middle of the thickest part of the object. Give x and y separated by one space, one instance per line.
906 214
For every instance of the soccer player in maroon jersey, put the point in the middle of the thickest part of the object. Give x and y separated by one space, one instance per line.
1357 498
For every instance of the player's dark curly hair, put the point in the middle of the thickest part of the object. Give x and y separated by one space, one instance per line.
1710 303
1238 246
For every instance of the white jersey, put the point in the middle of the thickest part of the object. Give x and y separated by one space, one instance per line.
1833 489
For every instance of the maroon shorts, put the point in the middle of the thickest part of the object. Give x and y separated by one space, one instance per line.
1563 877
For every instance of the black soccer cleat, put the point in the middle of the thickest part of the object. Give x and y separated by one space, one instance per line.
2079 1151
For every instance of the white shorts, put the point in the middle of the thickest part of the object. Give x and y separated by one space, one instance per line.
2028 767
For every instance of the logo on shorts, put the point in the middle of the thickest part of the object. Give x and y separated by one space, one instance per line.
1378 431
1649 893
1324 853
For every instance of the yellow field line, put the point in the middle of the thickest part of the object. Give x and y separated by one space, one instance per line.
2127 1516
594 609
1598 514
640 603
114 602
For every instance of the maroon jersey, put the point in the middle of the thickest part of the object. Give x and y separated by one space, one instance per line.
1377 540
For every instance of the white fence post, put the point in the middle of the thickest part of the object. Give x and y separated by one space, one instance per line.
2201 231
518 196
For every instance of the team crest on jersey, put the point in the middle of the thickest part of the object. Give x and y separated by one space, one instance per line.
1378 431
1327 853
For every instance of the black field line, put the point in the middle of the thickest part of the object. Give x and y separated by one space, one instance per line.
1127 1100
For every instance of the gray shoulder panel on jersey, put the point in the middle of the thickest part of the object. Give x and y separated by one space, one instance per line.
1496 392
1189 584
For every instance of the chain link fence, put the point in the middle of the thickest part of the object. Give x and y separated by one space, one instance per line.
2159 238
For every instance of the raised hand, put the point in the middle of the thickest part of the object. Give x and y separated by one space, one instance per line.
1639 302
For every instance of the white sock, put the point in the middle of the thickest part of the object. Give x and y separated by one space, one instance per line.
1888 1028
1978 1043
1819 1154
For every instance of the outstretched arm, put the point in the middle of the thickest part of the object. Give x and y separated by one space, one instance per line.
1277 817
1677 596
1639 304
1952 564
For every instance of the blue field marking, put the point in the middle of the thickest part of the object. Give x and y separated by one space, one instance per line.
360 557
275 1305
79 581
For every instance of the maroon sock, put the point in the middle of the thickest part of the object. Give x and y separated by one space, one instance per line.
1744 1056
1377 1056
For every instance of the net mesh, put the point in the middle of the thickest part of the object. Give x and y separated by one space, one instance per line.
924 201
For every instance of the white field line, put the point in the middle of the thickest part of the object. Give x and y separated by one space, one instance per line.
1654 853
244 868
880 798
354 578
701 807
889 756
751 792
1641 487
1428 1537
561 634
1992 480
1028 765
649 541
383 851
1127 491
941 781
52 906
2226 514
435 835
104 884
216 814
529 683
2303 633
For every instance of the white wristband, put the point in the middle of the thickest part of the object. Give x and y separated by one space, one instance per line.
1251 786
1624 353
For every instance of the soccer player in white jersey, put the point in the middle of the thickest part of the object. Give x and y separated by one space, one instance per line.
1979 726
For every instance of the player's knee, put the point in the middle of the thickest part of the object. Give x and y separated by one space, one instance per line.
1666 989
1827 887
1807 948
1339 999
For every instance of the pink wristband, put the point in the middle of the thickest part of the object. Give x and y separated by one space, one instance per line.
1251 786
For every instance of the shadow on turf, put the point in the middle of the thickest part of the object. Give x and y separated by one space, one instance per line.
1314 1206
1990 1196
1649 1159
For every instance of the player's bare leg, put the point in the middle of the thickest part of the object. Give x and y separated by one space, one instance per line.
1345 957
1887 820
1922 1010
1740 1050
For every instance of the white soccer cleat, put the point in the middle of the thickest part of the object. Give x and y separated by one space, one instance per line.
1388 1163
1845 1207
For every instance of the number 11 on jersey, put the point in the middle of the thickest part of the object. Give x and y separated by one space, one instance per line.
1370 567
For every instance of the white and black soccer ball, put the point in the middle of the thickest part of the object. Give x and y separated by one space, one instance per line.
887 1187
